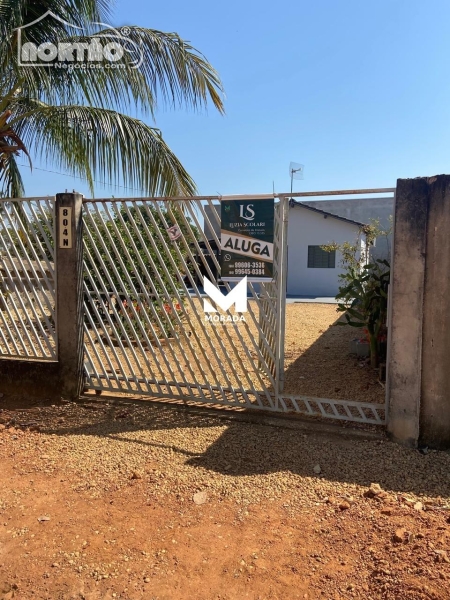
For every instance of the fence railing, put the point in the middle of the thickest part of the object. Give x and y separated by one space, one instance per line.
27 278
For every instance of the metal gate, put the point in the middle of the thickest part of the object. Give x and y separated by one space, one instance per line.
145 328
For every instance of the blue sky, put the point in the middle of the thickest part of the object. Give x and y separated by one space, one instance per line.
357 91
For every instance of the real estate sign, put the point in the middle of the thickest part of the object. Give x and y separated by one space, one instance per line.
247 232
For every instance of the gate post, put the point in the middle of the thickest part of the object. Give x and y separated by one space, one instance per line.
69 296
405 326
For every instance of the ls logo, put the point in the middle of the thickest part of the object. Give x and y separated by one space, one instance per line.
249 212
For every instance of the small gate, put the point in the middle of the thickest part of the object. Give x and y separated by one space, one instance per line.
145 328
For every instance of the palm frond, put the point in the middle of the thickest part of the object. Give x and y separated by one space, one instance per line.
176 71
103 144
158 68
11 183
81 13
75 118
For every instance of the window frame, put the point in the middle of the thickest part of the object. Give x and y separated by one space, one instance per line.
314 258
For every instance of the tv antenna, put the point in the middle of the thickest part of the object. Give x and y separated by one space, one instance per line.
296 171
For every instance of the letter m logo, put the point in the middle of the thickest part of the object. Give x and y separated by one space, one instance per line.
237 296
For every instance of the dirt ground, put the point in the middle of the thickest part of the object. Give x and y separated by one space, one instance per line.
106 499
317 357
318 360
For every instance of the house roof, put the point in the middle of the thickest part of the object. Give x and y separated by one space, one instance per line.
293 203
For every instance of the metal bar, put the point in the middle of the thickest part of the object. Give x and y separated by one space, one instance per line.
284 223
337 193
24 315
106 292
96 332
149 300
156 258
218 359
98 338
185 266
243 345
38 198
212 348
119 323
268 348
93 283
36 295
204 386
308 410
50 284
247 196
195 287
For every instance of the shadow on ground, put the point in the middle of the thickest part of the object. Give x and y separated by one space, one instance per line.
327 369
238 448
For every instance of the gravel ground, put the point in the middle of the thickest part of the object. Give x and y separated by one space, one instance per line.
317 359
181 452
137 501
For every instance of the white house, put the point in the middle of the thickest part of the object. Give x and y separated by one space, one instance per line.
312 271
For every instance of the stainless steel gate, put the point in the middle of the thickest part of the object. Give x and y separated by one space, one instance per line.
145 328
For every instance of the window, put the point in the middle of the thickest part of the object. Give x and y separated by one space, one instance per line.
320 259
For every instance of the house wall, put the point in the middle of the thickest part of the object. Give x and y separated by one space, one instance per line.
362 211
308 228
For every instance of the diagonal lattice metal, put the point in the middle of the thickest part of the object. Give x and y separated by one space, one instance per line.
145 328
27 278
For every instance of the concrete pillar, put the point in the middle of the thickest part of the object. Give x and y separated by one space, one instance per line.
418 372
406 289
69 296
435 402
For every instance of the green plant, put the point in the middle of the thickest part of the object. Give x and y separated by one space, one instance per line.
363 293
160 319
364 300
125 249
130 262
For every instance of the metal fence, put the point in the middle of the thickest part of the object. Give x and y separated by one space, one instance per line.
145 328
27 278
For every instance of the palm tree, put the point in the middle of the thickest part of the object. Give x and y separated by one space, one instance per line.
77 119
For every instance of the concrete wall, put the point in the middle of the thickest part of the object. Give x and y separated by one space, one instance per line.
418 373
308 228
362 211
